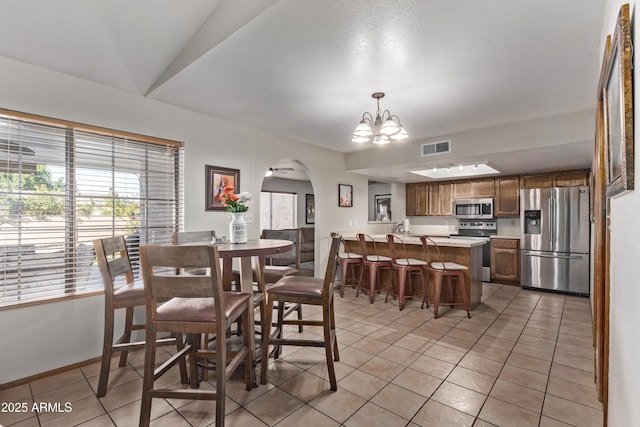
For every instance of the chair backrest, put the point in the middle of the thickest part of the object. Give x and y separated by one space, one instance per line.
392 240
364 239
161 282
115 265
426 240
285 258
181 237
330 272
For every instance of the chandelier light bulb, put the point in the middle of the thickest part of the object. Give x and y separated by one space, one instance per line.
389 127
363 129
400 136
360 139
381 139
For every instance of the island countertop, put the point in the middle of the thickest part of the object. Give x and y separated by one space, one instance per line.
466 252
413 239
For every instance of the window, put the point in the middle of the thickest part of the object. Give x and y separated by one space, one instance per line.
278 210
63 185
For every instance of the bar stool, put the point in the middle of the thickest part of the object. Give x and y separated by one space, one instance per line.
405 266
372 263
441 269
348 262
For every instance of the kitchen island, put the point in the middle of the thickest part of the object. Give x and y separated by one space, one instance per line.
461 251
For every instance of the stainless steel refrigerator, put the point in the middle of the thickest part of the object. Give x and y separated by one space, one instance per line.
555 239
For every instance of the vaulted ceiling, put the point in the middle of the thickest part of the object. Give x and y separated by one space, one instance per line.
306 69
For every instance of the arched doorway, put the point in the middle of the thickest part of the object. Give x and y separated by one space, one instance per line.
287 200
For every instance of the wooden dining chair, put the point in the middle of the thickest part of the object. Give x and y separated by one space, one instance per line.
373 263
195 305
440 270
121 291
404 266
349 262
304 290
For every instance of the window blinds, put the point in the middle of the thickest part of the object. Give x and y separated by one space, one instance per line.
61 187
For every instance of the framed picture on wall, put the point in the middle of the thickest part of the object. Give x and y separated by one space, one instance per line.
383 207
617 98
309 209
345 195
219 178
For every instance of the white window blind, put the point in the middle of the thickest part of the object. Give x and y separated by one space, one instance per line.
278 210
61 188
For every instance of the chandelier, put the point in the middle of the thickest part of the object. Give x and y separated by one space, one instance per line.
381 129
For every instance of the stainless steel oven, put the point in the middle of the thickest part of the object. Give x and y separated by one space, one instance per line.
473 208
479 230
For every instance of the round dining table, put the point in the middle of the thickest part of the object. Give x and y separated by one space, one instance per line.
256 249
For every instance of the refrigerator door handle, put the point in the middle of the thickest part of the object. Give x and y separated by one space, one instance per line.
555 256
551 222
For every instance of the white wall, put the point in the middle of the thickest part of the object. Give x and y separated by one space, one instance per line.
49 336
624 350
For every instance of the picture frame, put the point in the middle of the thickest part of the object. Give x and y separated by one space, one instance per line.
217 178
617 97
345 195
382 204
309 209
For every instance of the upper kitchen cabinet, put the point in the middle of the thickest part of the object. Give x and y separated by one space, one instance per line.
575 178
572 178
477 189
440 199
417 198
507 196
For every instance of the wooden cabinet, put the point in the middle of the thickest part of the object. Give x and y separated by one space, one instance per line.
572 178
507 196
483 188
575 178
505 260
440 199
417 198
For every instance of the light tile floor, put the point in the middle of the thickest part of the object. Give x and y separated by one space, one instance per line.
525 358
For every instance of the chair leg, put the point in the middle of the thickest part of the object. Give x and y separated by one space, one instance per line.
362 270
264 358
128 322
451 295
299 310
402 281
336 353
106 353
436 293
194 341
277 349
249 371
343 270
326 315
221 377
465 300
425 290
147 382
372 281
182 364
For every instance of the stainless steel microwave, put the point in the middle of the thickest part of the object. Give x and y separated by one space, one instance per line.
473 208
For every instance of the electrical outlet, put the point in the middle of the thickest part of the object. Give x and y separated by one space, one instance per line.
248 218
513 222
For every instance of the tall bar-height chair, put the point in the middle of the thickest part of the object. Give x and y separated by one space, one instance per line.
349 262
304 290
196 304
183 237
372 264
405 266
121 291
441 269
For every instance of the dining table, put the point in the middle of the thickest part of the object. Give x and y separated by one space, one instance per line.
253 249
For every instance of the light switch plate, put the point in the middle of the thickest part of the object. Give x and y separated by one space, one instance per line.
248 218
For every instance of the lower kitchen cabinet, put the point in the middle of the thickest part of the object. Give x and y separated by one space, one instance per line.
505 260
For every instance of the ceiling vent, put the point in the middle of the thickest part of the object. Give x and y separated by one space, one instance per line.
435 148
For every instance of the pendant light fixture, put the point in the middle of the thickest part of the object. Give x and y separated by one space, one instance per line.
381 129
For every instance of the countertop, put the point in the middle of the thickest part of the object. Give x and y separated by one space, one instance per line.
415 240
504 236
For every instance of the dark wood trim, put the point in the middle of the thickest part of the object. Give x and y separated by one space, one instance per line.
50 373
